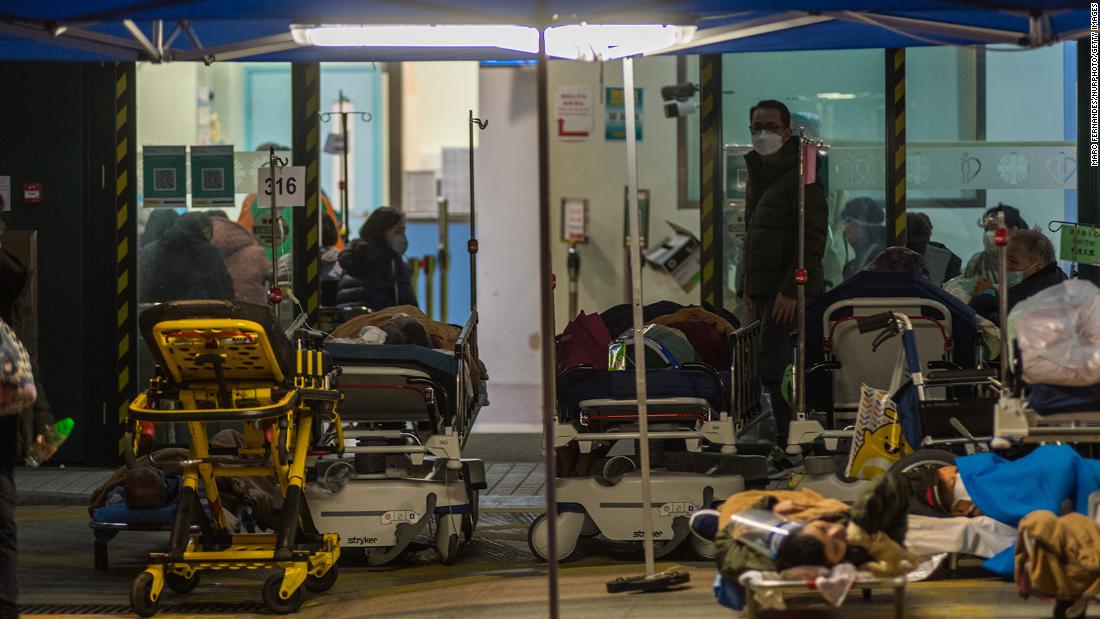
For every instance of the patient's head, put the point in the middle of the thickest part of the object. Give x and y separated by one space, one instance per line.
819 542
406 330
898 260
145 488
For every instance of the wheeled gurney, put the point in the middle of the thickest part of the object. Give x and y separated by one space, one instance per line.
227 362
691 403
408 411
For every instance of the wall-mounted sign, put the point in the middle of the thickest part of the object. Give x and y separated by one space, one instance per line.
615 114
643 216
165 176
1080 244
212 176
573 112
574 220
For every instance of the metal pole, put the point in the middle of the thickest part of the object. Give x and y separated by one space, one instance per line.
444 257
344 208
546 299
273 163
1002 289
573 265
639 323
472 245
799 377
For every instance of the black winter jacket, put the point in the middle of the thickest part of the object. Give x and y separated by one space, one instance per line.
986 305
183 265
771 244
374 276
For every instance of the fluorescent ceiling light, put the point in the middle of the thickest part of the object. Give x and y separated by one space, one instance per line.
573 42
836 96
612 41
516 38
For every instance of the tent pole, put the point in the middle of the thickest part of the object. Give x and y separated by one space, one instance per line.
546 298
639 324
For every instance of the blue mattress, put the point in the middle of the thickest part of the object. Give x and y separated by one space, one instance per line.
574 388
1052 400
378 354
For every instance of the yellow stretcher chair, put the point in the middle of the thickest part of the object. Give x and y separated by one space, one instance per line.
225 362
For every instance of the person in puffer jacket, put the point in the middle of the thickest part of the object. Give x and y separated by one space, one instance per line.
248 265
375 274
183 264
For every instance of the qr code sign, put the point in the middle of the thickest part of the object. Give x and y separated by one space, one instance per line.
213 179
164 179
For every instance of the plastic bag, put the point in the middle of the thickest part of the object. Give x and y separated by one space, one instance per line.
962 288
879 441
1058 333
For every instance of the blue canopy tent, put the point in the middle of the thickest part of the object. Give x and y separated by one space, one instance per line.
215 30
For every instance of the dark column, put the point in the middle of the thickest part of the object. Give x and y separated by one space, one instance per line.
306 96
711 198
895 146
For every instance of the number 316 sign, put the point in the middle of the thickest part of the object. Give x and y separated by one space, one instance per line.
289 187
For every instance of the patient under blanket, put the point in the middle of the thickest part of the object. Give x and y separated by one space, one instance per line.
1054 478
147 492
443 336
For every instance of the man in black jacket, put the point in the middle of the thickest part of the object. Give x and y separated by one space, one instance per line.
1032 267
770 254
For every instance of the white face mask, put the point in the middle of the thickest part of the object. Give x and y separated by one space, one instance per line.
767 143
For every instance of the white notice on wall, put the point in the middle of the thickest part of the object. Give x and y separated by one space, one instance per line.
574 220
419 199
456 179
5 193
573 112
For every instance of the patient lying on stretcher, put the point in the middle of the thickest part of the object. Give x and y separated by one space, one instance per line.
817 531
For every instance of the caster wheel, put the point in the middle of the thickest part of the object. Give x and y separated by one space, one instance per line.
141 596
450 555
475 510
538 539
277 604
448 527
866 594
317 584
704 550
468 524
179 584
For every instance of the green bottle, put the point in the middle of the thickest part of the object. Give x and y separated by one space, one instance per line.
55 435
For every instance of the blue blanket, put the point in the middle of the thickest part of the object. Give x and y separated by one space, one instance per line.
1008 490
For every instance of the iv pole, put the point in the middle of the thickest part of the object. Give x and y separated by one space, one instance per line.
325 117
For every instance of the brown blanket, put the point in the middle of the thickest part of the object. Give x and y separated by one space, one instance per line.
443 335
1058 555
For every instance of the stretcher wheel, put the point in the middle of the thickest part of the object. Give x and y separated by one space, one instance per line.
538 537
446 536
180 584
923 458
317 584
276 604
703 549
468 524
867 594
589 529
141 596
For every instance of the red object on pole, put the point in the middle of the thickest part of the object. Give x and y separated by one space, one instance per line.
275 295
1001 237
553 281
809 155
801 277
471 246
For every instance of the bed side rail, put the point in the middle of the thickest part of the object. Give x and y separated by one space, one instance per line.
745 374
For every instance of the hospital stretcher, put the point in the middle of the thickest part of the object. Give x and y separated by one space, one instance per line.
228 362
408 411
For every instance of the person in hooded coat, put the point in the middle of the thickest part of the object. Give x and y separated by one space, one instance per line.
248 265
375 274
158 222
183 264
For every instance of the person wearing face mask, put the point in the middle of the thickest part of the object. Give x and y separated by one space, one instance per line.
770 250
983 264
1032 267
374 271
864 230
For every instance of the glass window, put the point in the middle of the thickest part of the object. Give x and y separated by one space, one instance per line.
838 97
979 135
